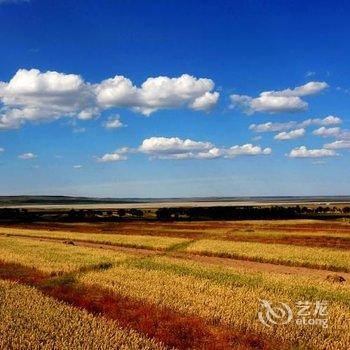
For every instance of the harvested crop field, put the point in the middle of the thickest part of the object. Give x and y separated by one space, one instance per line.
183 285
335 234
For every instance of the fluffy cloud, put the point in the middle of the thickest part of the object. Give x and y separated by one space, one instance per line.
157 93
330 120
247 149
116 156
293 134
272 127
269 103
32 95
288 100
27 156
205 102
303 152
340 144
111 157
78 166
337 132
311 88
212 153
113 123
172 145
327 132
275 127
176 148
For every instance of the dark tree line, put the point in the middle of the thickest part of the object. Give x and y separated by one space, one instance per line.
192 213
248 212
87 214
14 214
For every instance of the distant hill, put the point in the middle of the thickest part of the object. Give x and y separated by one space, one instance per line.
21 200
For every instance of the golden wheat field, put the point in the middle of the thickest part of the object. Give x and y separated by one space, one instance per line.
176 285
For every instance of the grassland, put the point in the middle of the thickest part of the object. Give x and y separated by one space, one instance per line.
166 286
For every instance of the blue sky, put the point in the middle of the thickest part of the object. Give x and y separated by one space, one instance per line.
174 98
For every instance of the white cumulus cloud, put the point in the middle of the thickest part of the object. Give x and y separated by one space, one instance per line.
303 152
34 96
27 156
116 156
212 153
113 122
205 102
330 120
111 157
172 145
31 95
339 144
272 127
290 135
288 100
327 132
157 93
247 149
176 148
282 126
